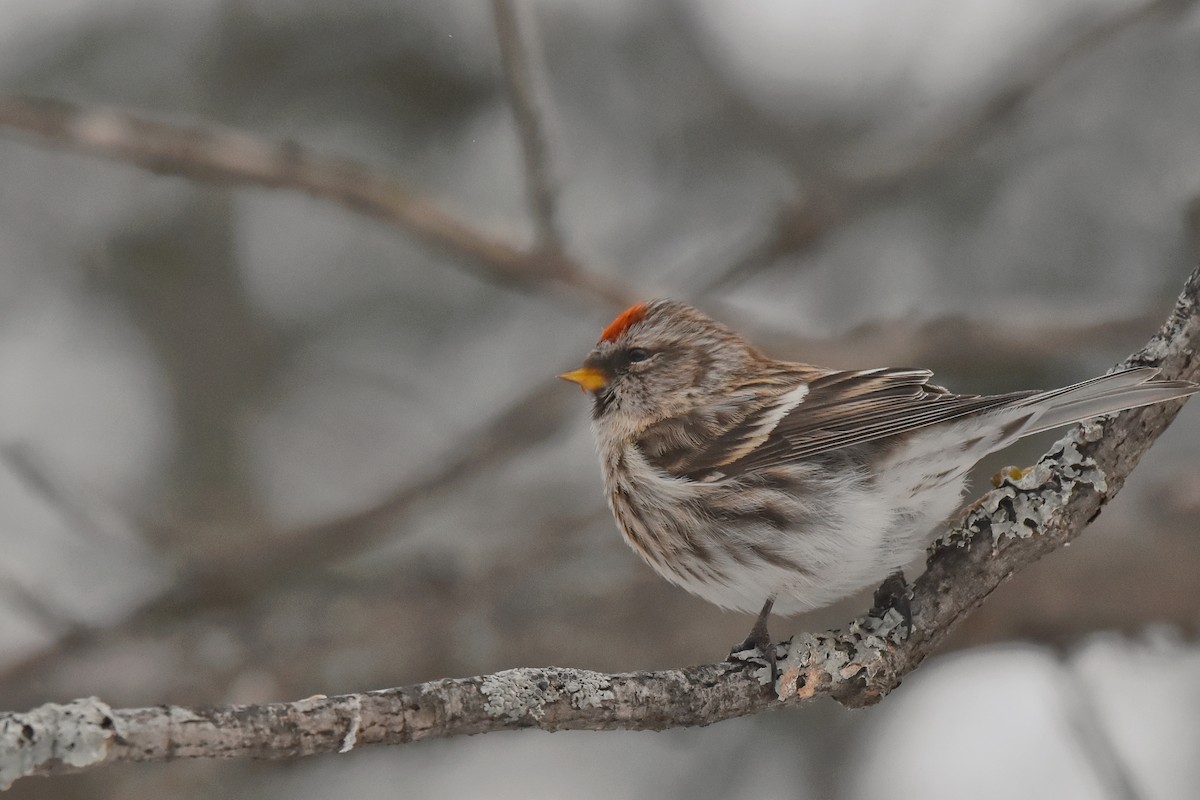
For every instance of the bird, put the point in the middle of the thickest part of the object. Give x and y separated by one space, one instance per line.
774 486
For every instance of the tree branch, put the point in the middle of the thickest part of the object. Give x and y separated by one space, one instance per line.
1007 530
237 158
519 57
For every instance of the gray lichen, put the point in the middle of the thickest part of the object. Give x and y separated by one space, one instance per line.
1025 499
813 660
588 689
76 734
515 694
876 633
351 737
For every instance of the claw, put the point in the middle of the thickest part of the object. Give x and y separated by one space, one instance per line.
760 640
893 594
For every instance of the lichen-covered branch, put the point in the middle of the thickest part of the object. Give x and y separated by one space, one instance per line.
57 738
211 155
1007 530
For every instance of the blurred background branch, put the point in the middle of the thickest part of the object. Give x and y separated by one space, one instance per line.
244 432
520 57
236 158
833 201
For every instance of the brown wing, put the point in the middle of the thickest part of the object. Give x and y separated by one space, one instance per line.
840 409
694 444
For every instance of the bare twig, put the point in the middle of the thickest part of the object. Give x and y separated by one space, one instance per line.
838 200
520 58
237 158
1008 530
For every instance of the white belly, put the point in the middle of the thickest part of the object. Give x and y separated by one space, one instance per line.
843 533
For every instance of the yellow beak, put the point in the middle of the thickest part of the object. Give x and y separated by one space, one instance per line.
589 379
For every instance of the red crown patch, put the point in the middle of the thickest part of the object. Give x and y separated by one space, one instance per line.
629 316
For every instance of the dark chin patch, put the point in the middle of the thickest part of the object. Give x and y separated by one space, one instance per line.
602 403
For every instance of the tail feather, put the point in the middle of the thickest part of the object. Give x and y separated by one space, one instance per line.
1133 376
1119 391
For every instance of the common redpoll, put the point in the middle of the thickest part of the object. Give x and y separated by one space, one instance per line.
757 483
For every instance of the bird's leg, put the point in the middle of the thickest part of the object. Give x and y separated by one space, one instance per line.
759 639
893 593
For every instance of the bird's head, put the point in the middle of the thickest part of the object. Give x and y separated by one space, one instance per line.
658 360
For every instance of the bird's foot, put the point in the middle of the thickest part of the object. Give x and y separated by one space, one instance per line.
893 594
758 648
759 640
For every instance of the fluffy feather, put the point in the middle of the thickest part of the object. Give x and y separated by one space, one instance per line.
744 479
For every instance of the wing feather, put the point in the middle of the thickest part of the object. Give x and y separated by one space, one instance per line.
838 409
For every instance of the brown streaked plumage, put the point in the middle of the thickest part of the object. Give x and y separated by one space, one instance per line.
757 483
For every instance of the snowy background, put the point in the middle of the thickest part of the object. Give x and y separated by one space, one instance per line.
255 446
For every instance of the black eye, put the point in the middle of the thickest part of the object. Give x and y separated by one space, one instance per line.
637 354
